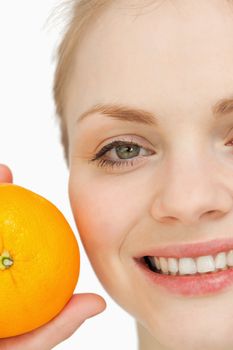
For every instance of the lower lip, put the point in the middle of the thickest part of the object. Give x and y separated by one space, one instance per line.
192 285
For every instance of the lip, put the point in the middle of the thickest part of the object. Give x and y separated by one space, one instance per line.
190 285
190 250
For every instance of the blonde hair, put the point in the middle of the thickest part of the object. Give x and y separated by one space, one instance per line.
82 12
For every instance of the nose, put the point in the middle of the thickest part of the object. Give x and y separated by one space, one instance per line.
190 193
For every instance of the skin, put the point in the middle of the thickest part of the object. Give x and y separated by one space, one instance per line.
169 59
173 58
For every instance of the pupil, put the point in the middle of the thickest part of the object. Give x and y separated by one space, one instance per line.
125 152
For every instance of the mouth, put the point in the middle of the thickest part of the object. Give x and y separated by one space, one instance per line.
183 270
190 266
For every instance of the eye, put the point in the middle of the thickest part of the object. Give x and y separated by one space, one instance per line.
126 154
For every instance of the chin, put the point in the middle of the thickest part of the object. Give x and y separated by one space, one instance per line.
189 331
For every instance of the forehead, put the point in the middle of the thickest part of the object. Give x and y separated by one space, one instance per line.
138 53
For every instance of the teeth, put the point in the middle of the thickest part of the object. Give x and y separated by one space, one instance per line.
163 265
220 261
230 258
157 263
173 266
205 264
190 266
187 266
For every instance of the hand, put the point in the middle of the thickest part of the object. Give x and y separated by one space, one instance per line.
79 308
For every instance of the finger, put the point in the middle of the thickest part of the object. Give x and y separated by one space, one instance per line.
77 310
80 308
5 174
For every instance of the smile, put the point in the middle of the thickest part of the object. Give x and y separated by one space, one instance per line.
197 269
190 266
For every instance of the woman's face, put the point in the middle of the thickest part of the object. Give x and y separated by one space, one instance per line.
174 185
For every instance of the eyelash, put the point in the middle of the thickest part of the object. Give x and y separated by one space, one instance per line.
113 163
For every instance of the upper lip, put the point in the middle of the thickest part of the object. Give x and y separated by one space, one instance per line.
191 250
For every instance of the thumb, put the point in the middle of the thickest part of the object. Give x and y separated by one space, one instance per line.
5 174
77 310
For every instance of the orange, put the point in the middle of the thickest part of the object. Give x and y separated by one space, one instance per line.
39 260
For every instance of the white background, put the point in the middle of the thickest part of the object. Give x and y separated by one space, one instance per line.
30 145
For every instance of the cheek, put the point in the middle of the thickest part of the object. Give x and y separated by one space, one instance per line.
103 214
107 212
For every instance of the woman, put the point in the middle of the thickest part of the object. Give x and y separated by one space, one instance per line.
144 93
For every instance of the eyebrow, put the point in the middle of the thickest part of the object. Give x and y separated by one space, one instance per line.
129 114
